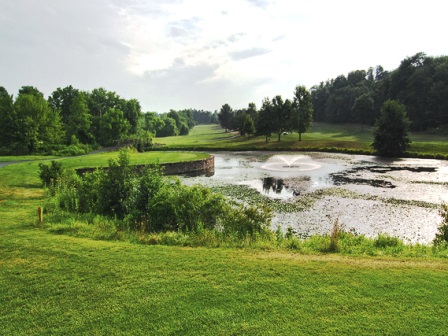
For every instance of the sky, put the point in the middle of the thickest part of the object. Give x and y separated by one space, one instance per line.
177 54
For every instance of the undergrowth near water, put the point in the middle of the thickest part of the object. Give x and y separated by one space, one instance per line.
337 241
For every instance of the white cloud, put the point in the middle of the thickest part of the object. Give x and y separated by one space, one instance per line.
195 53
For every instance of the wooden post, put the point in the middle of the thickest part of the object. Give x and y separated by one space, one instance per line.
40 214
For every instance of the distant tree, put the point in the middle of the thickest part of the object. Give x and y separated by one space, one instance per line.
302 110
99 102
252 112
225 117
281 115
79 120
113 127
214 119
132 112
8 122
169 128
264 124
391 134
248 125
363 109
37 124
31 90
61 99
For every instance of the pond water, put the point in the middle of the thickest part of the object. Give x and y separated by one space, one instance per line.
368 195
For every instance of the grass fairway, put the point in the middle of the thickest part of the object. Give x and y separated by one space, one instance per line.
59 285
346 137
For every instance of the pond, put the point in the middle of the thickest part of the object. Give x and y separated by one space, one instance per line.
309 191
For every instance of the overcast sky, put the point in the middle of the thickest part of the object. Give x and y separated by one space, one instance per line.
175 54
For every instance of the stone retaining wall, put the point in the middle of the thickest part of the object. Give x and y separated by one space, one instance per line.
205 166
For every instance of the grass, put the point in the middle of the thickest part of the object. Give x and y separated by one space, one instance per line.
102 159
25 158
55 284
322 137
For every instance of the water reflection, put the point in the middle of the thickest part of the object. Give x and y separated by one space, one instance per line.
271 183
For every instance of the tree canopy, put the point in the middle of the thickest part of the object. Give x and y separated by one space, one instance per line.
391 134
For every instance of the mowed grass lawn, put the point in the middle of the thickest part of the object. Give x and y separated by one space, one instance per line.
59 285
321 136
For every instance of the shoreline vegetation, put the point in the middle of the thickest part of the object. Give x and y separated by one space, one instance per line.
86 273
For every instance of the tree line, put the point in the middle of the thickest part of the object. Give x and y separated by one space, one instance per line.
72 121
276 116
420 83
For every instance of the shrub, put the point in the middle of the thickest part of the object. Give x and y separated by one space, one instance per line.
150 202
247 219
116 186
383 241
442 234
51 174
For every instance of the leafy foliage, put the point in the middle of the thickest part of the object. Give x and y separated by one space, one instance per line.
50 175
149 202
391 136
302 110
442 234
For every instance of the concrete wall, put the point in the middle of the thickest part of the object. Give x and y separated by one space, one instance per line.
197 167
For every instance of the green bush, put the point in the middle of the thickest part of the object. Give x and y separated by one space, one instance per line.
442 234
384 241
150 202
247 219
51 174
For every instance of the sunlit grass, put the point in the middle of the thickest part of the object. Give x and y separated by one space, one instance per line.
52 283
325 137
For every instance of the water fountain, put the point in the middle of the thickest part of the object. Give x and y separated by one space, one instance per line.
290 163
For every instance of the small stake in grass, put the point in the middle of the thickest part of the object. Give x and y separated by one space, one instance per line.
40 214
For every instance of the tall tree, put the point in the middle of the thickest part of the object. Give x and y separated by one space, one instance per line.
302 110
391 134
61 99
132 112
264 123
113 127
79 120
252 112
8 125
36 120
281 115
74 111
225 117
363 109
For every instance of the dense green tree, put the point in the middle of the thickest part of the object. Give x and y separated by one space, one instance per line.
113 127
391 134
8 124
363 109
36 121
79 120
169 128
203 117
265 125
281 115
61 99
99 101
132 112
248 125
252 112
225 117
302 111
30 90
